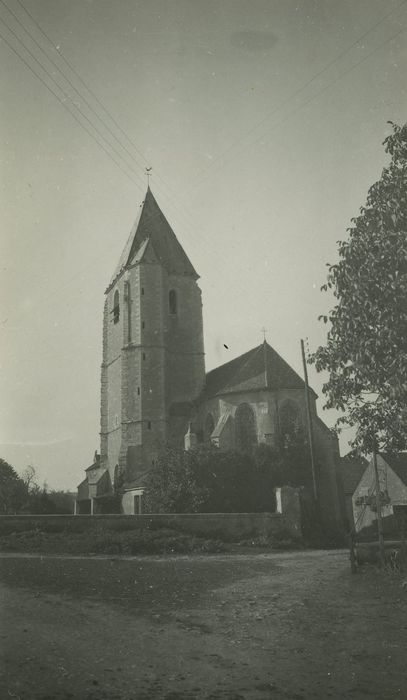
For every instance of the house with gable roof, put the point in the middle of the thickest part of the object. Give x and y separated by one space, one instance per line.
351 469
392 471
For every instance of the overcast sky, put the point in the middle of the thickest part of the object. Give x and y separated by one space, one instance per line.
263 121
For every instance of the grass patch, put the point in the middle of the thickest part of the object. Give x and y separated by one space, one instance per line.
100 541
144 541
278 541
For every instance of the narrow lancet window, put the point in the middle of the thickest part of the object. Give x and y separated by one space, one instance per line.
116 307
128 297
172 301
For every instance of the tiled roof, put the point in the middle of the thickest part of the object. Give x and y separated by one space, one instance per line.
151 223
252 371
397 462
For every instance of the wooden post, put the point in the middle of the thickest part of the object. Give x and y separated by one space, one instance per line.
352 557
309 421
378 506
403 539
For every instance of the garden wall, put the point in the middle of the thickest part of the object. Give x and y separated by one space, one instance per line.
231 527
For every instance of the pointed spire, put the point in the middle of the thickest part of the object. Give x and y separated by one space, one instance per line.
151 223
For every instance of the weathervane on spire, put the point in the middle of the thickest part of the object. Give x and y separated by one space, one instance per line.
264 331
148 173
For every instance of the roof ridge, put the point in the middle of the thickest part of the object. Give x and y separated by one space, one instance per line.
248 370
229 362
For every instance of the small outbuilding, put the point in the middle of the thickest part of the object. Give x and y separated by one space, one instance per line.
392 470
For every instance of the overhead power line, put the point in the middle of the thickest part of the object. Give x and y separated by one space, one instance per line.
81 80
66 106
80 95
65 77
188 222
237 144
68 97
130 141
63 103
172 201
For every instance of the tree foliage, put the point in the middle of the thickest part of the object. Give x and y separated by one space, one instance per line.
12 489
365 354
209 480
22 494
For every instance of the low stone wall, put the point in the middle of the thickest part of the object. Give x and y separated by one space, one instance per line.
231 527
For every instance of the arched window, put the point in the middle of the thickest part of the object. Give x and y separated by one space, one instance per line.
209 427
116 307
245 426
290 421
128 299
172 301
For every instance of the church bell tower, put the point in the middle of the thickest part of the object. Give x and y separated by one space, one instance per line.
153 357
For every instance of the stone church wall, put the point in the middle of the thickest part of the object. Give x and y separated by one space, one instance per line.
262 402
183 338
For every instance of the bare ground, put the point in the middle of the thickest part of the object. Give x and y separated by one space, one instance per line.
227 627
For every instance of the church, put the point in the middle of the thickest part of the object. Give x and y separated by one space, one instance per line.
154 389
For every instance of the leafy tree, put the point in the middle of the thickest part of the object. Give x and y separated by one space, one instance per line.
22 494
227 477
63 502
174 484
295 460
266 474
37 499
209 480
365 354
12 489
39 502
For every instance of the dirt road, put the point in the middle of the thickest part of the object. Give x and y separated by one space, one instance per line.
294 625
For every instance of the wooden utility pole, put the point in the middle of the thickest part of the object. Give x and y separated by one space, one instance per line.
309 421
378 505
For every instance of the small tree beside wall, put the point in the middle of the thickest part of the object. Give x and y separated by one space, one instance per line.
208 480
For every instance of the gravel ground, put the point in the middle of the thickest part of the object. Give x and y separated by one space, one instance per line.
227 627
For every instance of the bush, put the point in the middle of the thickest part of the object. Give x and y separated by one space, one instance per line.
208 480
